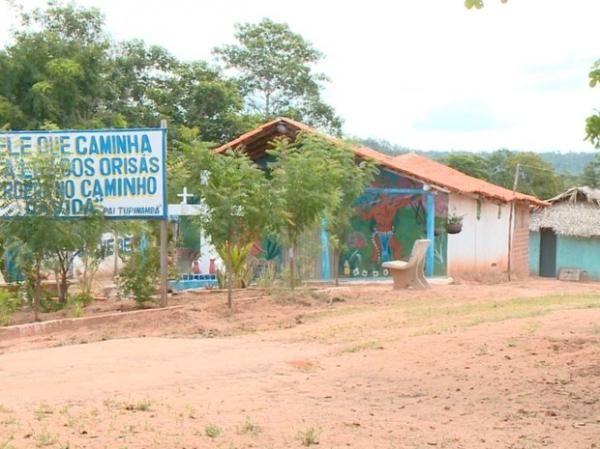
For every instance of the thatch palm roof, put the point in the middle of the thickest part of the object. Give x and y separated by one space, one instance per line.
575 213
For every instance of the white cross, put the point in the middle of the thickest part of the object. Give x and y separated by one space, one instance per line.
184 196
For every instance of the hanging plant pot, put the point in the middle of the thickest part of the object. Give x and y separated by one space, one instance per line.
453 228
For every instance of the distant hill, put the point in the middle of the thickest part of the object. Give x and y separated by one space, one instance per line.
564 163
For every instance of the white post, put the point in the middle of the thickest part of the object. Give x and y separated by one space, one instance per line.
164 248
510 220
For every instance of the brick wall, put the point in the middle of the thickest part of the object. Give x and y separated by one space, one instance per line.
520 242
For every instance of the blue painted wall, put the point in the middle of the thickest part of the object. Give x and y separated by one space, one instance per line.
571 252
581 253
534 253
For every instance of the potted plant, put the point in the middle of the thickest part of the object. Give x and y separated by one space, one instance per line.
454 223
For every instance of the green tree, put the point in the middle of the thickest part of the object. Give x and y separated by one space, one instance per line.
274 68
303 180
63 68
32 196
77 237
238 206
592 123
537 177
591 174
469 163
350 180
54 70
140 275
502 172
90 251
477 4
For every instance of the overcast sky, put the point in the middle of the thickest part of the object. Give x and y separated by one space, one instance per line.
422 74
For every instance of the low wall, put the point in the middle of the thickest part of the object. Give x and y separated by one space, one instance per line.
47 327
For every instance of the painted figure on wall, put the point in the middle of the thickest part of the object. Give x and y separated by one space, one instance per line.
389 218
383 211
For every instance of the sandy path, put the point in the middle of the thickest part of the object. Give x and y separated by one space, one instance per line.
383 379
135 365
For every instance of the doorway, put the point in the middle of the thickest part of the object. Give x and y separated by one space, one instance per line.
547 253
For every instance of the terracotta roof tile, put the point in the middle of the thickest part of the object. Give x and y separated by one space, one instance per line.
437 173
411 164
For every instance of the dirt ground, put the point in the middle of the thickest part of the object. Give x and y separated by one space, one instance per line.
513 365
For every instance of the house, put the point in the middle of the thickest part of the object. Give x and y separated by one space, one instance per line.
411 198
567 234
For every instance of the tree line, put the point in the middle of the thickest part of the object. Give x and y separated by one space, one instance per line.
541 174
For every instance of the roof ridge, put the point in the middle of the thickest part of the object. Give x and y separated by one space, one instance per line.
412 166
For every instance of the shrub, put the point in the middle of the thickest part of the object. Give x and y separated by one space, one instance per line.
309 436
212 431
249 427
140 275
82 298
76 310
9 304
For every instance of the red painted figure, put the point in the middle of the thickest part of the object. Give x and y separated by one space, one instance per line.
387 245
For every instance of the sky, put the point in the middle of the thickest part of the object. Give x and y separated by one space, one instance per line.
426 75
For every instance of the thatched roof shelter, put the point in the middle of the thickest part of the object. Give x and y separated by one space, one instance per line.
574 213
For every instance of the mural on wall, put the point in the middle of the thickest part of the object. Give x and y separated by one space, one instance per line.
382 212
386 225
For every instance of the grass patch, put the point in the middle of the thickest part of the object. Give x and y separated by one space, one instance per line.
483 350
212 431
462 316
362 347
42 412
249 427
308 437
357 322
44 439
513 342
141 406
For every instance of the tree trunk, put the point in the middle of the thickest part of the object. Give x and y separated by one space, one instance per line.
57 278
37 290
292 264
64 285
229 277
61 276
336 266
116 254
84 277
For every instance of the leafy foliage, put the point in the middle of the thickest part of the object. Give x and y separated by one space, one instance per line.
349 180
477 4
304 183
470 164
64 69
537 176
238 206
36 229
140 275
241 270
275 72
592 123
591 174
9 304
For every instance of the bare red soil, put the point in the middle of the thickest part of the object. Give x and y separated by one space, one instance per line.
466 366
